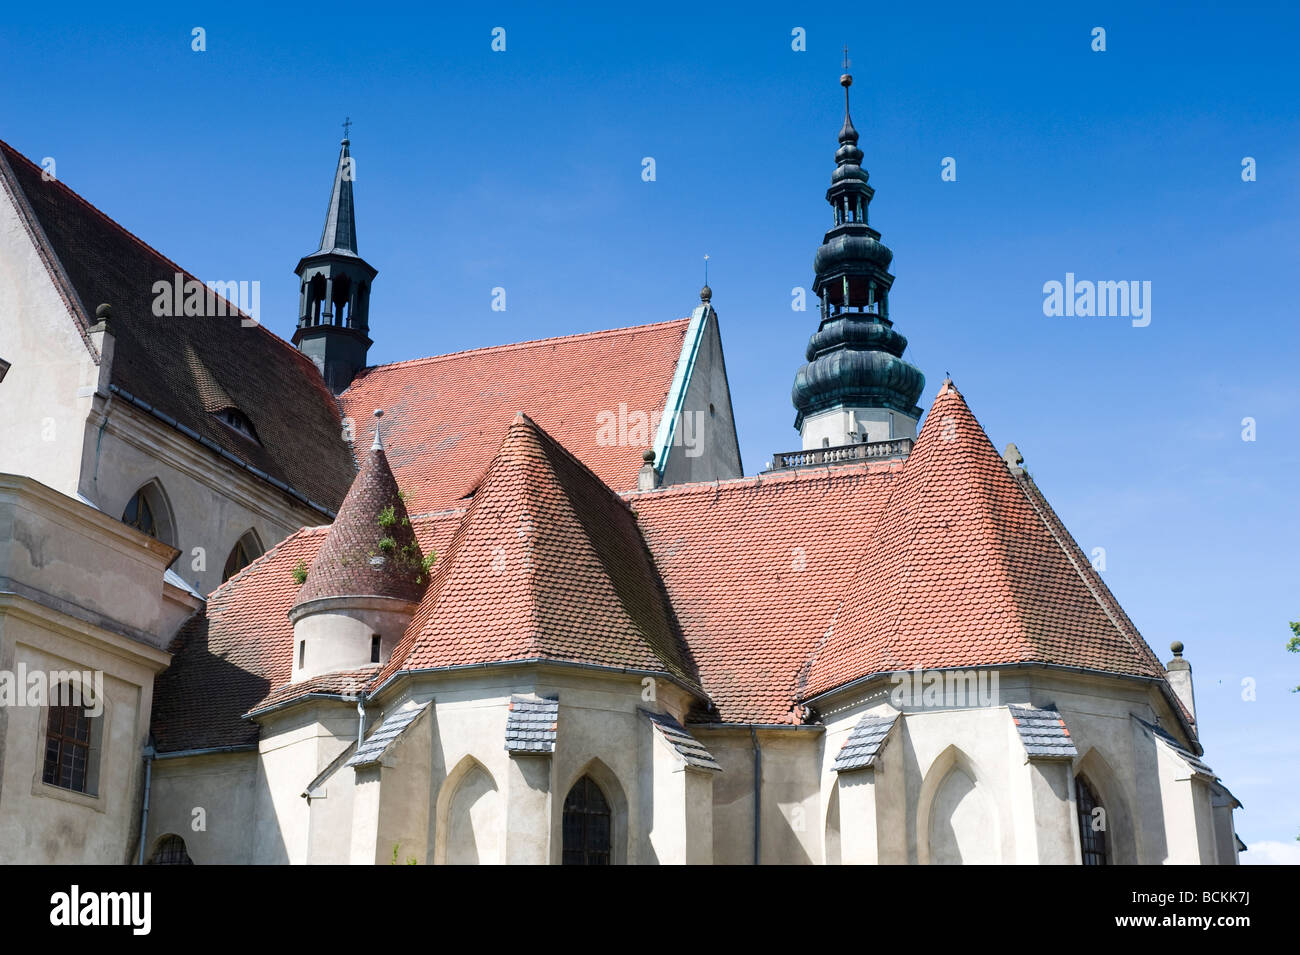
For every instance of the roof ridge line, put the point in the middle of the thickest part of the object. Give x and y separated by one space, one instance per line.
532 342
1048 523
113 223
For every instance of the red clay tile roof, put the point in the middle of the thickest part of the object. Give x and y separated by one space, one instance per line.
182 366
755 569
968 567
345 683
773 588
238 653
446 416
353 560
547 564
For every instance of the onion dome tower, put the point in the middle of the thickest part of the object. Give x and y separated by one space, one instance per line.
856 386
334 289
366 581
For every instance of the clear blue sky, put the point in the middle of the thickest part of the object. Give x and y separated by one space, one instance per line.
522 169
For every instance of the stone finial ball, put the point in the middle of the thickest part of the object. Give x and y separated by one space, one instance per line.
648 455
1177 647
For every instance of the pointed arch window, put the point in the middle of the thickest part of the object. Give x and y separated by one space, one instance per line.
148 511
170 851
246 550
1092 824
587 825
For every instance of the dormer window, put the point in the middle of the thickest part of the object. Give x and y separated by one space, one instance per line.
236 420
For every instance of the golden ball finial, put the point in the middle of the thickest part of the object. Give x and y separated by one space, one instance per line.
846 80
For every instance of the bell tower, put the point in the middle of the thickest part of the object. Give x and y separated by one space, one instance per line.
334 288
856 387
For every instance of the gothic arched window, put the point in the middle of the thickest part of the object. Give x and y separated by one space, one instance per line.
1092 824
148 511
246 550
586 825
71 741
170 851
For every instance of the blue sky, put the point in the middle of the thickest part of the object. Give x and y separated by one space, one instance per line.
522 169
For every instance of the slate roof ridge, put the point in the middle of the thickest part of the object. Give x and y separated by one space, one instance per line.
94 210
517 346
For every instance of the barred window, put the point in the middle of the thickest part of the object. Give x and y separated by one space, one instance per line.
587 833
170 851
1092 824
68 748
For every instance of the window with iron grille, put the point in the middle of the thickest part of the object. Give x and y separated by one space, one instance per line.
587 834
67 748
1092 831
171 851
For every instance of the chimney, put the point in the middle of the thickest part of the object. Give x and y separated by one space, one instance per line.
647 479
1180 678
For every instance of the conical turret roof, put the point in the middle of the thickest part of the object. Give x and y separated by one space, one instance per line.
371 549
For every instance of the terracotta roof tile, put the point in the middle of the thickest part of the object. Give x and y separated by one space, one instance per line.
546 564
353 560
446 416
969 567
755 568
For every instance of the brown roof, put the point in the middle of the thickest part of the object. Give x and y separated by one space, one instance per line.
446 416
187 367
755 569
967 567
547 564
371 548
766 590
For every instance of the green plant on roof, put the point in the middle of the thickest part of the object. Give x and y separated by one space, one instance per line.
387 517
387 545
300 572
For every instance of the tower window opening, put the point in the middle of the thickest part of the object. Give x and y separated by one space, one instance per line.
302 653
374 648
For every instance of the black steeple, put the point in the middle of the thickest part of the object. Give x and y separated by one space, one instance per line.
855 358
334 288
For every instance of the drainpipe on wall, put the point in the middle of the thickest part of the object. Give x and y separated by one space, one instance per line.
361 719
144 814
758 796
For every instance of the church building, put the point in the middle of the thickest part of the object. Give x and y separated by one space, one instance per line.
263 602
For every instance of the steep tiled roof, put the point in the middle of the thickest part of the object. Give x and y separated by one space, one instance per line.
866 740
691 750
547 564
186 366
237 655
354 560
1043 732
966 568
532 724
229 657
446 416
755 569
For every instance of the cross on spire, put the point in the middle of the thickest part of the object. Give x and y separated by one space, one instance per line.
846 58
706 268
347 124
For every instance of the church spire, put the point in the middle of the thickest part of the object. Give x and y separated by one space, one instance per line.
334 287
340 232
856 385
